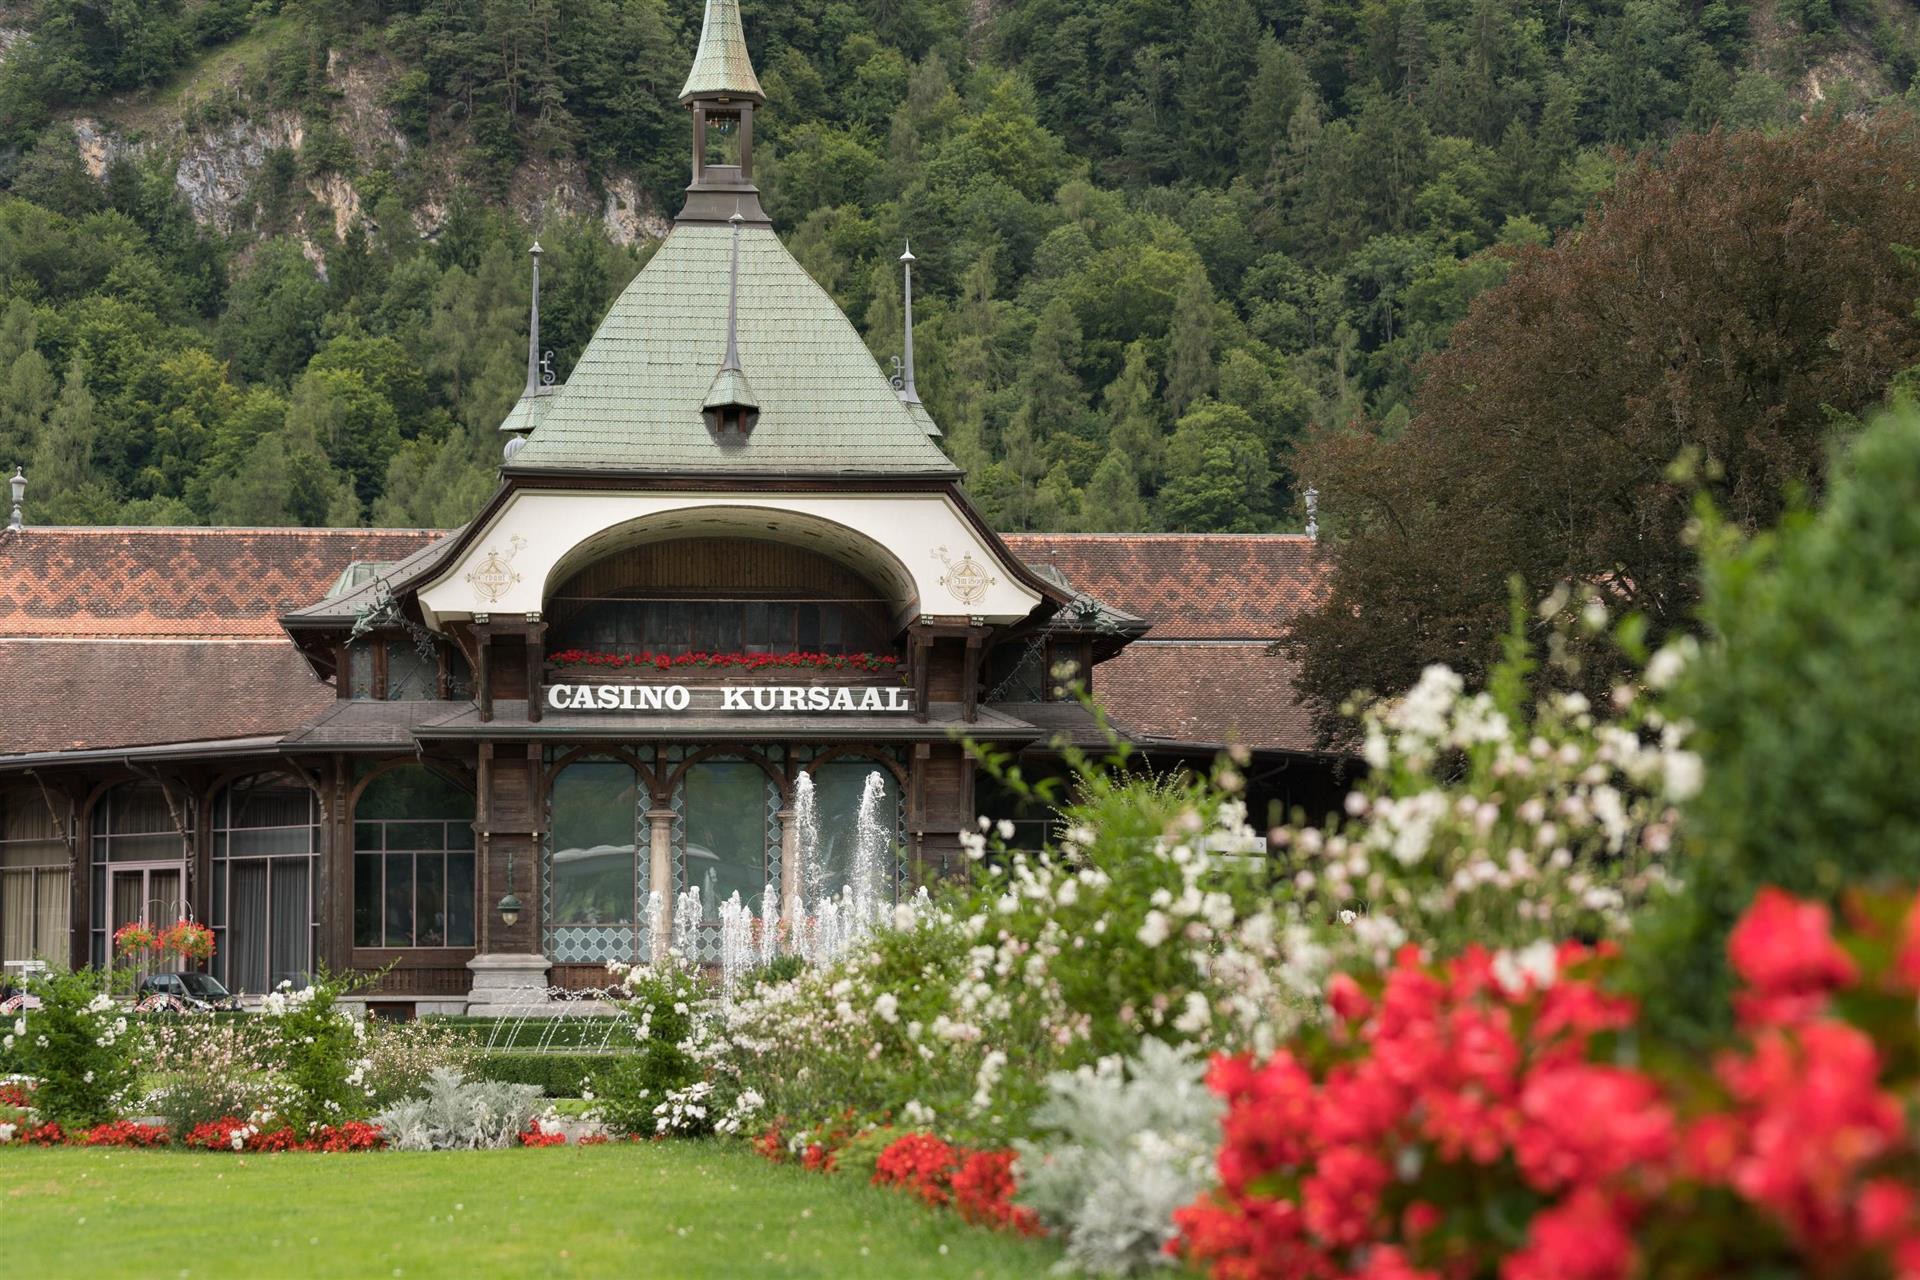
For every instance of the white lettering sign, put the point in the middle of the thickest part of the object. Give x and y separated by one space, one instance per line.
764 699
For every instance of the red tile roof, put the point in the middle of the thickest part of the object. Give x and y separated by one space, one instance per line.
1203 676
176 582
71 694
1205 694
1220 586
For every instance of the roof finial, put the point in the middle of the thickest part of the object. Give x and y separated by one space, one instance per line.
19 486
730 406
907 391
732 361
1313 513
533 325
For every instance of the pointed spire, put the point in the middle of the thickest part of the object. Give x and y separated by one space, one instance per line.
907 391
533 325
730 406
721 67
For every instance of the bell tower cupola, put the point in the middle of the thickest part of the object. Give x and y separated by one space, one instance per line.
722 91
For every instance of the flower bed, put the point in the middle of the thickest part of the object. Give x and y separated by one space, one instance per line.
1466 1119
796 660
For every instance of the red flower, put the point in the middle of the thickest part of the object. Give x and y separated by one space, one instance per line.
1784 950
1585 1124
1341 1198
1906 967
1583 1238
535 1136
1348 1001
983 1192
124 1133
921 1163
1388 1263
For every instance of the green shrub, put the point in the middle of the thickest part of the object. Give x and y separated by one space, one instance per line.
1805 702
77 1045
322 1067
661 1014
558 1075
590 1032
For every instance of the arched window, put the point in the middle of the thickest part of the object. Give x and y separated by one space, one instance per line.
596 881
718 595
838 787
413 862
34 879
266 838
141 837
728 810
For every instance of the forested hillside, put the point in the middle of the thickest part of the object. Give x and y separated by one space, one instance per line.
264 262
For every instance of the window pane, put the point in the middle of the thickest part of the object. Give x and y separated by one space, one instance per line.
399 912
726 851
429 906
593 843
838 786
459 899
414 791
366 900
416 835
367 835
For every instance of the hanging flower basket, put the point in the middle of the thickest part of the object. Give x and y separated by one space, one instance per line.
131 939
189 940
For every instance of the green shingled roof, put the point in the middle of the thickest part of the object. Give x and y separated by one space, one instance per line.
633 401
721 68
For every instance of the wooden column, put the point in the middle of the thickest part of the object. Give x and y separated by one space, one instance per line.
536 663
920 660
483 670
970 676
660 874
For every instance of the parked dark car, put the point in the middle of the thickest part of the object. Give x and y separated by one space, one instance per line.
184 993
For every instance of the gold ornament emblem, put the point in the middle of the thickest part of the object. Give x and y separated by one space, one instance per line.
964 578
493 577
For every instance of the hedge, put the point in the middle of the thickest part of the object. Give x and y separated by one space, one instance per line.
534 1033
559 1075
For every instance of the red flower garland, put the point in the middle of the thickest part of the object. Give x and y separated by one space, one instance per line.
727 661
123 1133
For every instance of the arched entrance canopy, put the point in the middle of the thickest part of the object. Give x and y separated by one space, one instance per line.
917 547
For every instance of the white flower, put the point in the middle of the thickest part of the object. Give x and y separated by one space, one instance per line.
20 1026
917 1112
1683 774
1155 930
1537 962
1666 666
887 1006
1195 1016
1005 828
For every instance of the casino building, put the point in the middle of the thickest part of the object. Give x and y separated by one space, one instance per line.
726 553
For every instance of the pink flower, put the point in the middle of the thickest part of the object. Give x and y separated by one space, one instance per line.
1348 1001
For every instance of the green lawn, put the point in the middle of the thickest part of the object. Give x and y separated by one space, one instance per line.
634 1210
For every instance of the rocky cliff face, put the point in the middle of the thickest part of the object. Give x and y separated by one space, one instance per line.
220 166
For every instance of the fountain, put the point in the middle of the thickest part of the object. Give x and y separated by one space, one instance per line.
811 882
872 849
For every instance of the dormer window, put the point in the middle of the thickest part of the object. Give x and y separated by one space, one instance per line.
734 420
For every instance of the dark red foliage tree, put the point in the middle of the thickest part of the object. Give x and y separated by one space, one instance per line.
1730 305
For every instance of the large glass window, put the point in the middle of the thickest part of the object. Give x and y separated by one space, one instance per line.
726 849
838 786
594 863
141 837
34 879
413 865
266 837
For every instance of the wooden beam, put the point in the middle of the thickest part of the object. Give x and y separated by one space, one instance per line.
483 670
